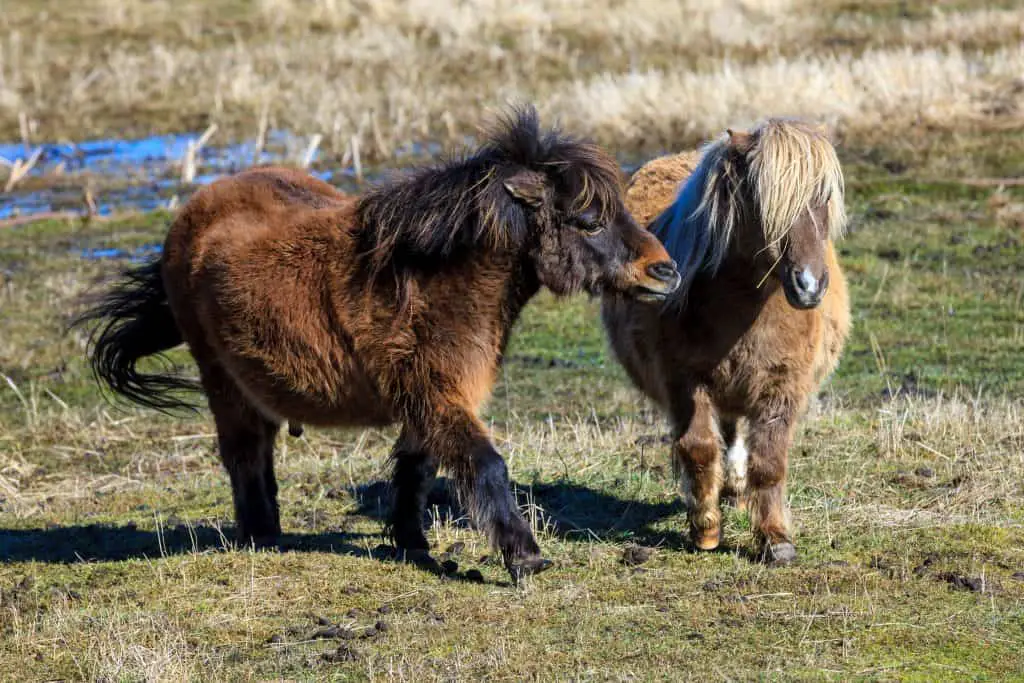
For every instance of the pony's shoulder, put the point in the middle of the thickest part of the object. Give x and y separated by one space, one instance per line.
655 185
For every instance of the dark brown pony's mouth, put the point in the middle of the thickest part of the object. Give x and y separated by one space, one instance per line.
648 295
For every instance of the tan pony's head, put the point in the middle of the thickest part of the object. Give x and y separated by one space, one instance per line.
773 194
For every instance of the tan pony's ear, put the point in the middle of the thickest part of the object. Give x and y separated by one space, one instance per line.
740 140
528 187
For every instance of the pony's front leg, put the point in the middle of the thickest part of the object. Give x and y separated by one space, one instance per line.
770 436
461 444
412 474
697 461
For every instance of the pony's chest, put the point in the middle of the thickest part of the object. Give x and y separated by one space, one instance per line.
774 355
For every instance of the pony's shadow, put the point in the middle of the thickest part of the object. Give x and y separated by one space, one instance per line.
570 511
112 543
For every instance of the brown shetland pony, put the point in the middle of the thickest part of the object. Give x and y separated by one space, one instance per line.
300 303
758 323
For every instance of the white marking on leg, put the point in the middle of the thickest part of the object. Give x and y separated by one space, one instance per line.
736 462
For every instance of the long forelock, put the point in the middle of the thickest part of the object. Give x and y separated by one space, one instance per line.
792 168
592 174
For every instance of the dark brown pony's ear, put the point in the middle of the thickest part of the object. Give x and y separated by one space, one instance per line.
740 140
528 187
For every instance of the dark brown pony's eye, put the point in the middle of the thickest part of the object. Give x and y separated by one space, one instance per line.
588 226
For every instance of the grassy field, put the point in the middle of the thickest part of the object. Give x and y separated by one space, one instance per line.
906 487
907 480
640 76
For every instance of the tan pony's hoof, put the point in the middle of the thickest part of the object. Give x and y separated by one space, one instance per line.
706 539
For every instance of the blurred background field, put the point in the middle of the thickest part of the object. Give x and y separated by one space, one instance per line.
907 481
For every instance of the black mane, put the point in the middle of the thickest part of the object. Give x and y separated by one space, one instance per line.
462 203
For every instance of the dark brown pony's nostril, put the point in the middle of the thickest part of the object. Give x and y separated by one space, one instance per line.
664 271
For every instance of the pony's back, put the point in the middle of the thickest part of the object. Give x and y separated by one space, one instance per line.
654 186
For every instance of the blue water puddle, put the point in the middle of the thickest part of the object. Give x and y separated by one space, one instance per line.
146 172
154 154
136 255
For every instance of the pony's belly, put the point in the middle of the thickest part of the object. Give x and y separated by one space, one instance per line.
321 399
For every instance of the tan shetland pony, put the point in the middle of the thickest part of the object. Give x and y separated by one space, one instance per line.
758 323
300 303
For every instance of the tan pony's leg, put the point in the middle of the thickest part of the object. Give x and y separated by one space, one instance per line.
735 486
770 436
697 460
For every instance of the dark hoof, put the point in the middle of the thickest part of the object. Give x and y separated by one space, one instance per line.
527 567
779 554
419 558
295 429
410 541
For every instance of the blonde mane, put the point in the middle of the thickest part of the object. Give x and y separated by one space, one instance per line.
789 166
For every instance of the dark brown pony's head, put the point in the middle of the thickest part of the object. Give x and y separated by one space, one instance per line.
538 194
774 196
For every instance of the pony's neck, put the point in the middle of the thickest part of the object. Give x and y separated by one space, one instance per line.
521 286
686 230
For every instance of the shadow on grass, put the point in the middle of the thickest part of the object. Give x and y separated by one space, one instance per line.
574 512
112 543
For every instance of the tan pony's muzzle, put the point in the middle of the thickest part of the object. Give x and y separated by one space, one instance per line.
654 273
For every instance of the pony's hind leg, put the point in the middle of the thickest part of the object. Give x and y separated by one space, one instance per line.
697 460
461 445
413 472
770 435
246 444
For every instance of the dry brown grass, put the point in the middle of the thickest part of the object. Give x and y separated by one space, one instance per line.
637 75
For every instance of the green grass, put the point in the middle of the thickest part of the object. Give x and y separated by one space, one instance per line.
906 481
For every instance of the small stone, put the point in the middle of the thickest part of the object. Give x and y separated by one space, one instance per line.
276 638
384 609
964 583
926 472
633 555
382 627
334 632
343 654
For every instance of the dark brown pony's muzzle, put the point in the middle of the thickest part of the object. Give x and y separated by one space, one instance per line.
652 274
661 279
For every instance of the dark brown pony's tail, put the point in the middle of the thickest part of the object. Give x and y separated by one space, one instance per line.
133 320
